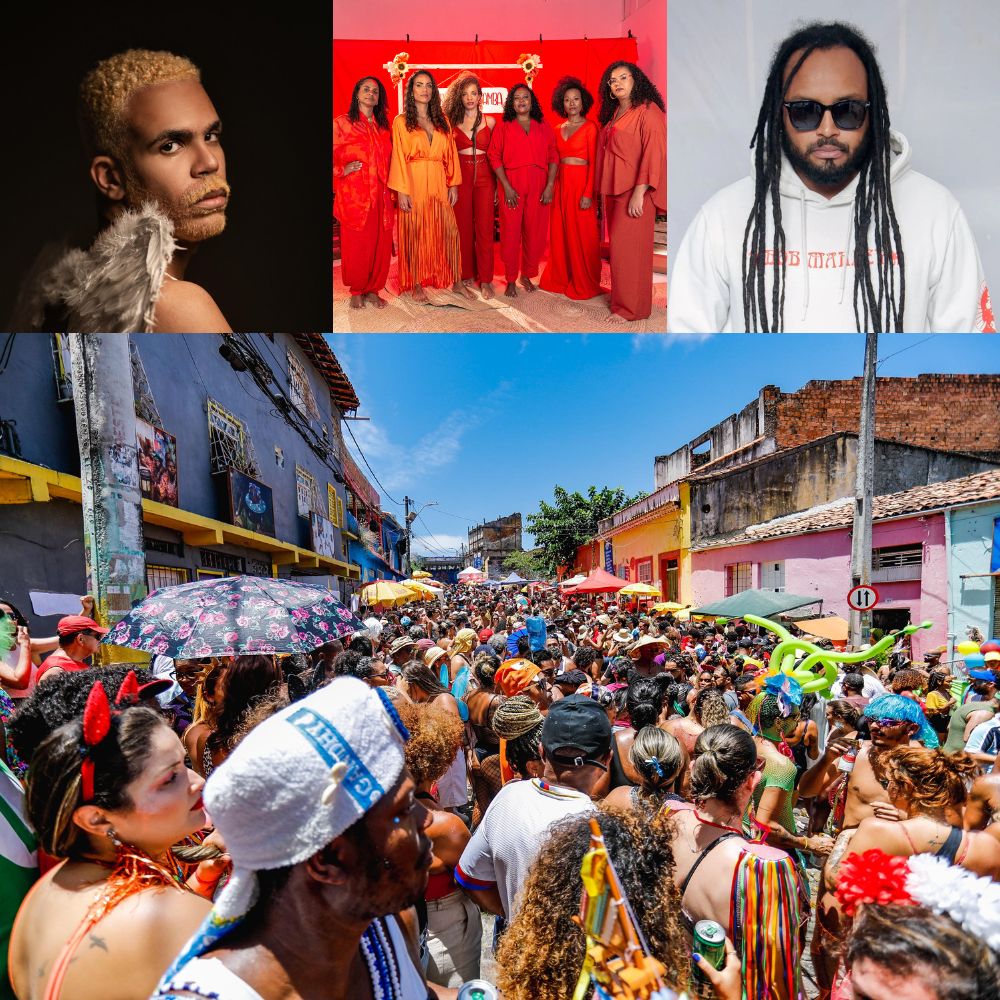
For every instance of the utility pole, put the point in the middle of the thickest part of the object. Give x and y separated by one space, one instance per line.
409 521
861 539
104 401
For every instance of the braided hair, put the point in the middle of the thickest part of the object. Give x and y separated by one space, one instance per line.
518 721
881 309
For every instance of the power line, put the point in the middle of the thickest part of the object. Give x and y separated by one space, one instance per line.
387 494
424 523
882 361
461 517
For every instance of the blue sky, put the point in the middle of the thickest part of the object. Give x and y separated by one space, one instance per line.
488 424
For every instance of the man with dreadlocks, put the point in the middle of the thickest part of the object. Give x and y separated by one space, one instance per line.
833 230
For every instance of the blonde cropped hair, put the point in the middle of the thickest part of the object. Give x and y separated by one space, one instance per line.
107 88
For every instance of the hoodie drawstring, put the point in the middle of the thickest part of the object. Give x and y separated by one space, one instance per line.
805 251
848 242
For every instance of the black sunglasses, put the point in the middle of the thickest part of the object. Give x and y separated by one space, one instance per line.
806 116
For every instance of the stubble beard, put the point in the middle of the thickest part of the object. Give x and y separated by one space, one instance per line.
191 224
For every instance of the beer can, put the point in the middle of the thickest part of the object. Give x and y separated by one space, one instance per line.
478 989
710 942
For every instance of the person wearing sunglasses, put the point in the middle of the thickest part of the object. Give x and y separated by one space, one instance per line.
834 230
79 639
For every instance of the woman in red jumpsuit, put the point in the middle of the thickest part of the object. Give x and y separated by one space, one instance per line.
632 176
574 267
523 156
477 193
362 148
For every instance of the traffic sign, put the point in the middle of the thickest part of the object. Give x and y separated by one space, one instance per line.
862 598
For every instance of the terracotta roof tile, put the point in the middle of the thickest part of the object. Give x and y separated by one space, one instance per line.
840 513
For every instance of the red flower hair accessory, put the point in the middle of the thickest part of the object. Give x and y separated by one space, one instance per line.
872 877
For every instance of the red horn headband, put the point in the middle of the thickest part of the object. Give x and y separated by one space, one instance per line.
97 724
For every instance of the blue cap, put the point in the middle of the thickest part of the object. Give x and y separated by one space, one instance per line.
983 675
404 620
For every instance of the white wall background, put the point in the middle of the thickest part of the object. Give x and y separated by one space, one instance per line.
941 69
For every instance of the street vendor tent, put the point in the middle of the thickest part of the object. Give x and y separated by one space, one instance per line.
762 603
513 578
599 581
833 627
572 581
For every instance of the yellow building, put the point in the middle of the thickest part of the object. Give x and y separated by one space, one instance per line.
649 542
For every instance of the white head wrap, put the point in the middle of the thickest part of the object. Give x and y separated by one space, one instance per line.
300 779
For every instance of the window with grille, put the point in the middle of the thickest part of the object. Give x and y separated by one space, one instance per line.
227 564
739 576
305 492
164 576
897 562
299 388
258 567
230 442
644 571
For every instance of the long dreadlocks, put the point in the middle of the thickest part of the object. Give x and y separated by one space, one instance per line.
880 309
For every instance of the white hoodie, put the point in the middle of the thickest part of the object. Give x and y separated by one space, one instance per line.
945 288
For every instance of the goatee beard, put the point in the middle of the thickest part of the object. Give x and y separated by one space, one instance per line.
828 175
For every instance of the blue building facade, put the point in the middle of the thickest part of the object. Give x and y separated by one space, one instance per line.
973 569
213 418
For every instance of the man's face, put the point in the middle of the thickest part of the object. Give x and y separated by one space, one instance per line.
875 982
891 732
86 644
174 157
396 875
827 157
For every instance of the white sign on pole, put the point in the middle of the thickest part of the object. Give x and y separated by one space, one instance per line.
862 598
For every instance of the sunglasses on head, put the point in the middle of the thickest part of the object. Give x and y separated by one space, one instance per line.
806 116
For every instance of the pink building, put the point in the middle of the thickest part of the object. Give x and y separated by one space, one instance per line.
810 553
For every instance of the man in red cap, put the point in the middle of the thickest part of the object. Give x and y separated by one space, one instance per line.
79 638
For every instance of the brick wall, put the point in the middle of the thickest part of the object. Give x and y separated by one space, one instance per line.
950 412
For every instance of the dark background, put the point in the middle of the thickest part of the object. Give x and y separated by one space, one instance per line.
268 75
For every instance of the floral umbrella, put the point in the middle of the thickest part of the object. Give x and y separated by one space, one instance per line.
233 615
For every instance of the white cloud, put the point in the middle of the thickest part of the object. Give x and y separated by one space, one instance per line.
640 341
426 545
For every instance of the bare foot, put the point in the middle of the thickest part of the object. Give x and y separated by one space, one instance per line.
419 295
526 284
487 290
357 302
376 300
511 290
463 289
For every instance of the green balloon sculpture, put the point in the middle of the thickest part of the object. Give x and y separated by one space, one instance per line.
783 657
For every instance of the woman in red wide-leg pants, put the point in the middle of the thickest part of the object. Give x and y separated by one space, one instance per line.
524 158
474 210
574 267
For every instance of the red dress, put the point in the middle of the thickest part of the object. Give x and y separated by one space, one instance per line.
474 208
525 157
363 202
574 267
631 151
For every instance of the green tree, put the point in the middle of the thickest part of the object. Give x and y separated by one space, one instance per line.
561 527
525 564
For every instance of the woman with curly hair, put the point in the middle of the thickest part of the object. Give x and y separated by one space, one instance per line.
362 201
454 927
632 176
524 157
542 952
463 107
931 788
425 175
574 267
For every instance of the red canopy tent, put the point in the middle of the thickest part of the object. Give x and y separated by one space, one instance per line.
599 581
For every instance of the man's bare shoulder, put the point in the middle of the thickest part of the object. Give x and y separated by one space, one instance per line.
184 307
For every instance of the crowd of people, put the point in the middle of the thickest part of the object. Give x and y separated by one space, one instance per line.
408 810
443 164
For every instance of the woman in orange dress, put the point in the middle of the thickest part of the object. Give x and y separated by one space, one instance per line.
362 200
574 267
632 176
424 173
477 194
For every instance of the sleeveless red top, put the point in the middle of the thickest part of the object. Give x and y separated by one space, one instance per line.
462 141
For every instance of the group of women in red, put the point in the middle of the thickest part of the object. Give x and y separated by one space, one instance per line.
443 166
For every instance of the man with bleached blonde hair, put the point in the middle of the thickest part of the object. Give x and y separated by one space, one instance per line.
153 142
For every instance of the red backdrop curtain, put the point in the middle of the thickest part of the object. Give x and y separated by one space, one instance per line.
583 58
